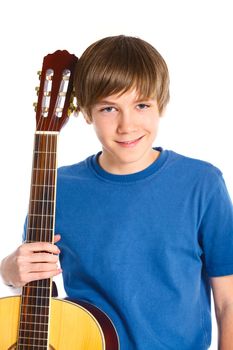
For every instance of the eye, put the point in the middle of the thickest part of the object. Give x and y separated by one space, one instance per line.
143 106
107 109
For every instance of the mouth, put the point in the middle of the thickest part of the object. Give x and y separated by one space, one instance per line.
131 142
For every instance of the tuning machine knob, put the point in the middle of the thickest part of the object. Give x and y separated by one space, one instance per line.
35 106
73 108
39 74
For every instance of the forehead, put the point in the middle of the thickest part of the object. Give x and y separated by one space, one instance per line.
132 95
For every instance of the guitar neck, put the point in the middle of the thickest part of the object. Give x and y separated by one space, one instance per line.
40 221
36 295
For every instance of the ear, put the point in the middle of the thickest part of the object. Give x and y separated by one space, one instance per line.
86 117
88 120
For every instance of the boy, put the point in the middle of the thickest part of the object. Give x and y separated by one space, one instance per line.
145 232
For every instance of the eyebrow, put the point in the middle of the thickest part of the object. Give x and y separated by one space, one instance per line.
108 102
105 102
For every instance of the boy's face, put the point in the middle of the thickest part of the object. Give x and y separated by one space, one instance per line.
126 128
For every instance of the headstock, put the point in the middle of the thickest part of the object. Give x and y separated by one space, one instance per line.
55 93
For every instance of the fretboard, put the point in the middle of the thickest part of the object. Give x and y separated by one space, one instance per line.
35 301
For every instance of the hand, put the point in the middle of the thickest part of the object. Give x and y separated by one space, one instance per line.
31 262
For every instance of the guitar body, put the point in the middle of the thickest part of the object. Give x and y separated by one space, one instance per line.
73 326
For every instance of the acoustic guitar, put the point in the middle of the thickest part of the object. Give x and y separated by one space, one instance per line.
36 320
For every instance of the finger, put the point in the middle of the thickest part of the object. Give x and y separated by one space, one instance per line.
35 276
57 238
42 267
47 274
39 247
43 258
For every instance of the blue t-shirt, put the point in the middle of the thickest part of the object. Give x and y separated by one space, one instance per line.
142 246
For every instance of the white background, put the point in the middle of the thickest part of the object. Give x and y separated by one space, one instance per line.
195 38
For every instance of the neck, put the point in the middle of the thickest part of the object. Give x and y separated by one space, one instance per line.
126 168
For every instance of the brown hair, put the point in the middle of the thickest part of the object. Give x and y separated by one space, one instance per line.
117 64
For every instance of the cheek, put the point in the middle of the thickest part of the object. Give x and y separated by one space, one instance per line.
152 123
102 130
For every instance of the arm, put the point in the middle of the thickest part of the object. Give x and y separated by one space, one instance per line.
223 301
30 262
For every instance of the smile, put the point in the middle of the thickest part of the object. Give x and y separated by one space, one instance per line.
130 143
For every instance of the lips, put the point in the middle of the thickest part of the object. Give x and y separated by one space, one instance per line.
131 141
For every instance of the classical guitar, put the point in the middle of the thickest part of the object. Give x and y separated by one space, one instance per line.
36 320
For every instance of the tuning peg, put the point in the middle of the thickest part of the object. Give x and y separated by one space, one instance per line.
35 106
47 93
37 88
39 73
73 109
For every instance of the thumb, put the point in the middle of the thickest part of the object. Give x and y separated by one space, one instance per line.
57 238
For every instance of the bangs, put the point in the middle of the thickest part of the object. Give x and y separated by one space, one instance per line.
113 66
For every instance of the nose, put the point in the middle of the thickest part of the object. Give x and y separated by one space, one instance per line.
127 122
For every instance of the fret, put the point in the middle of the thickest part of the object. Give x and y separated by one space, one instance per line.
40 288
45 152
40 297
28 344
36 306
33 323
35 315
34 331
33 293
34 296
36 240
29 341
54 169
45 185
41 172
42 215
41 208
40 228
43 192
36 287
36 336
42 201
47 133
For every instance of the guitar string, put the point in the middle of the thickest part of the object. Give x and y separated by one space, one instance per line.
47 221
49 140
40 238
44 218
45 227
32 218
43 141
30 224
50 181
37 222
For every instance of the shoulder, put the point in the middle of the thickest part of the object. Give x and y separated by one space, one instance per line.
194 171
193 165
80 169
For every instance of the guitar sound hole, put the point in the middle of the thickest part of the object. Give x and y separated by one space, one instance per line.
14 347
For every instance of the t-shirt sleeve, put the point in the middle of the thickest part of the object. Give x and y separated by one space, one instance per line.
217 232
24 234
